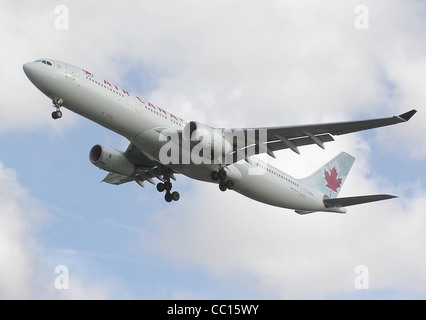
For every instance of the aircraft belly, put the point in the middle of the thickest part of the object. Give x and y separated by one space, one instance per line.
199 172
272 190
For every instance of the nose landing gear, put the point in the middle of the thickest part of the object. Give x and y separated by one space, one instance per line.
57 104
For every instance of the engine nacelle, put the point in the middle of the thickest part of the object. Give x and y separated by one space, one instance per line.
111 160
208 137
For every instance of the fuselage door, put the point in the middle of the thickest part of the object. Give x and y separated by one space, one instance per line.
70 72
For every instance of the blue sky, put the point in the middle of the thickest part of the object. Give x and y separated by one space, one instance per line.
227 64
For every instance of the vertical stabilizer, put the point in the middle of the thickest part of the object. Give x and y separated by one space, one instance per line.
329 178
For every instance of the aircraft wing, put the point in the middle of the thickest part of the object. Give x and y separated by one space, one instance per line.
278 138
146 169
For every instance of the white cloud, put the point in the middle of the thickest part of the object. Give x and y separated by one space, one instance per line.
27 33
19 216
26 271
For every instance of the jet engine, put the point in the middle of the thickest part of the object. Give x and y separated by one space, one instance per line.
111 160
208 137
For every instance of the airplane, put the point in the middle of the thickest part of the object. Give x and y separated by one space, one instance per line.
163 145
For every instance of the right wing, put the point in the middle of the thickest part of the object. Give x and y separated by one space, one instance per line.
278 138
146 169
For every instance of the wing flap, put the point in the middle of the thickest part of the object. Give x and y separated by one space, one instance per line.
277 144
298 141
117 179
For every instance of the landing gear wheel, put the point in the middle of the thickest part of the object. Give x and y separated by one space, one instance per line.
168 197
57 103
230 184
160 187
56 114
168 186
175 196
222 186
222 174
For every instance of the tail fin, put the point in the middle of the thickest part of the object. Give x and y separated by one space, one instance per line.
329 178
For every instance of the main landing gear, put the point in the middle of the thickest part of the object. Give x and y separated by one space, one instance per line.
57 104
167 186
223 184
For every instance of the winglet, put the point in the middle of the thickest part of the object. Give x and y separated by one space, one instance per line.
407 116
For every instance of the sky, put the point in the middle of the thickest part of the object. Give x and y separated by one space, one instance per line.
66 235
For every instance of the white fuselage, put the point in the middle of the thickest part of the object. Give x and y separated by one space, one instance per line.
136 119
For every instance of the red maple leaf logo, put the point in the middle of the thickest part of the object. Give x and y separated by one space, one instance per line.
332 181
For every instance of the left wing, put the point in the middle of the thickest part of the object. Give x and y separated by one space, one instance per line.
146 169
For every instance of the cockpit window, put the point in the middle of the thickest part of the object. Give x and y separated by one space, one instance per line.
44 62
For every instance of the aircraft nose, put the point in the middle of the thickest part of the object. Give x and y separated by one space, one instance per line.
29 70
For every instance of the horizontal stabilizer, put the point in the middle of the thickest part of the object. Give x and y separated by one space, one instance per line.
350 201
